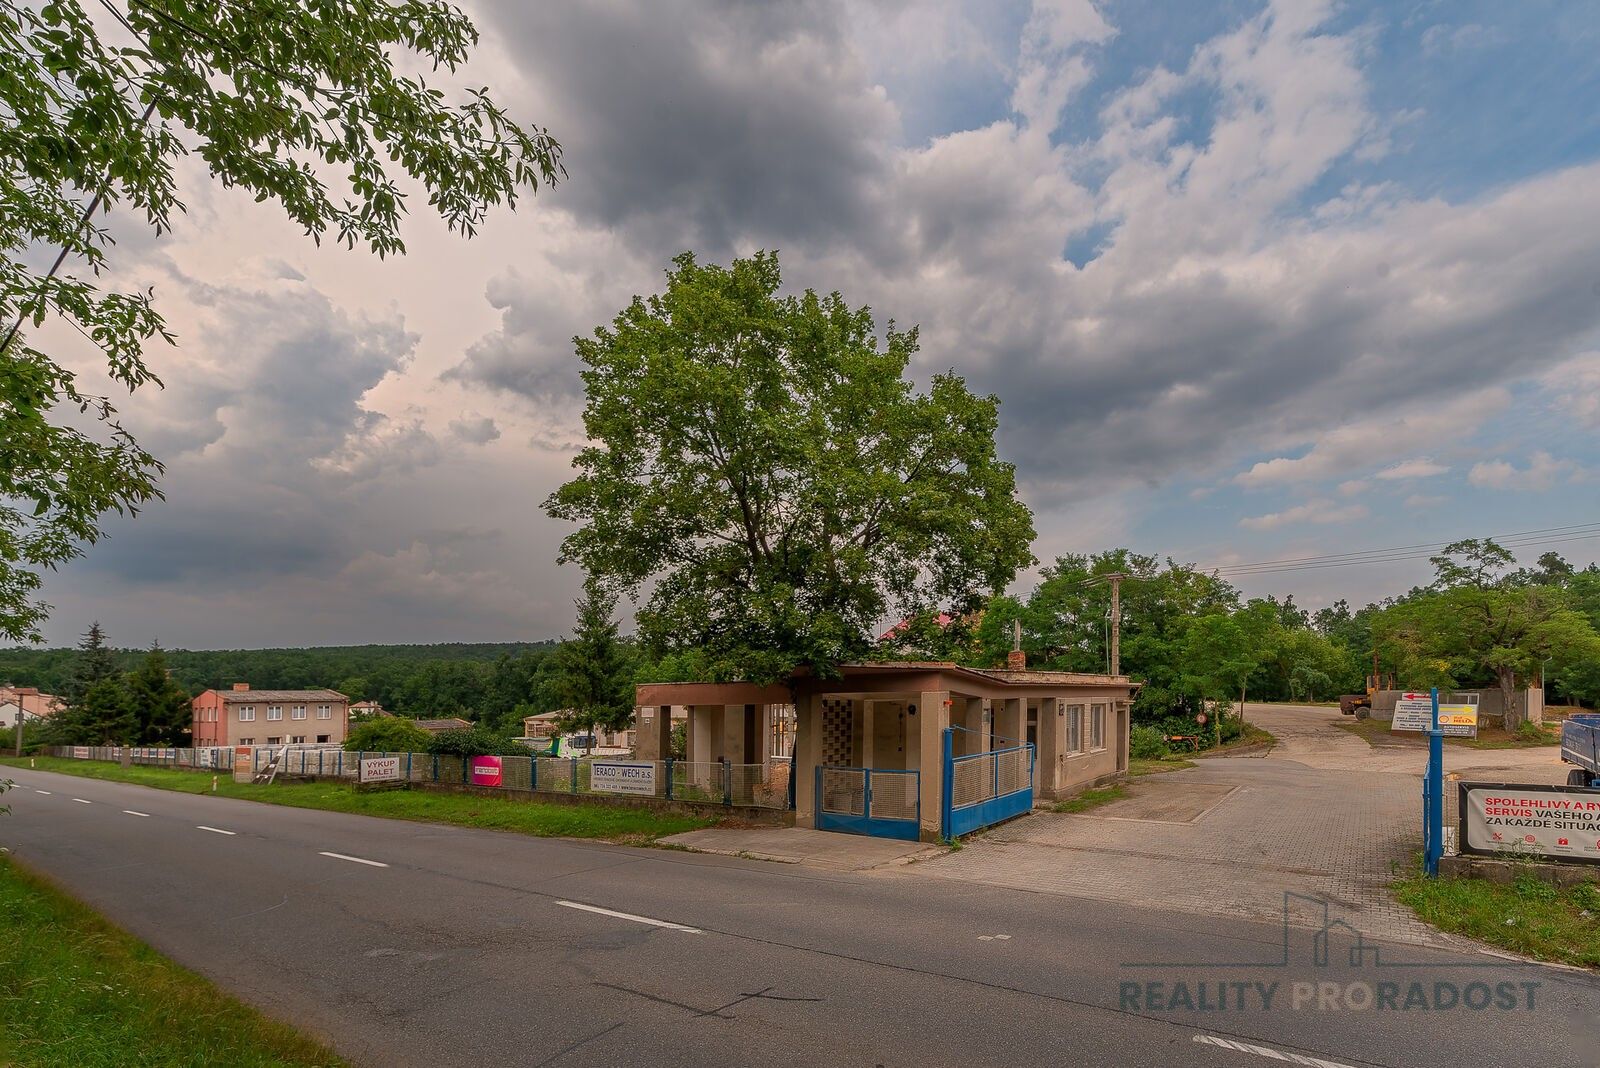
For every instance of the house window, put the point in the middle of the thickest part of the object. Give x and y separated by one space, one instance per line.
298 739
1033 726
1097 727
1074 728
274 711
247 741
247 713
298 712
324 712
274 740
321 738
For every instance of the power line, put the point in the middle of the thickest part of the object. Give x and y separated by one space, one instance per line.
1431 546
1401 553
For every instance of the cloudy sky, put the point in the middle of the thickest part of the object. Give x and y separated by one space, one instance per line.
1251 281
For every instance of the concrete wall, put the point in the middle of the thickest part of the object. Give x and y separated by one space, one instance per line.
1491 704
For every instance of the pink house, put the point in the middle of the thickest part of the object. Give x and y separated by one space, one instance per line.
242 716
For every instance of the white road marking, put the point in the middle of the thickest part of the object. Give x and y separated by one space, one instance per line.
354 860
81 801
45 792
214 830
1268 1052
131 812
629 916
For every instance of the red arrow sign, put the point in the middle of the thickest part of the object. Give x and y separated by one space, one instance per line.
1417 696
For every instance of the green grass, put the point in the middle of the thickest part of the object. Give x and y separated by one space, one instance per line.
76 992
1377 732
612 823
1091 799
1529 916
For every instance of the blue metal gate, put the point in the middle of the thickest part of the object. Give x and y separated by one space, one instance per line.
882 802
984 788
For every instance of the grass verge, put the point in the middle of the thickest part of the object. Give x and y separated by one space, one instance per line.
1528 916
1138 766
547 819
76 991
1377 732
1091 799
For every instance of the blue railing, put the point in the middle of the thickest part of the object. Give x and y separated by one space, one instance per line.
985 788
882 802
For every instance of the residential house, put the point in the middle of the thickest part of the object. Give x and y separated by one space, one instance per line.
19 701
242 716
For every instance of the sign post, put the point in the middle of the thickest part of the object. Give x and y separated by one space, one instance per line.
1433 794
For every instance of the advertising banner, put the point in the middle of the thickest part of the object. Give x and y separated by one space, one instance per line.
1560 822
615 777
80 752
379 769
484 771
1458 714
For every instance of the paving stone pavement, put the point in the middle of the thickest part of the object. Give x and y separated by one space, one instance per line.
1267 825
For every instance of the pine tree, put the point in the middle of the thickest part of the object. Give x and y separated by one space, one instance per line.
160 705
96 661
591 672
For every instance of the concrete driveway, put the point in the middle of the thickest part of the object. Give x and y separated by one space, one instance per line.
1323 814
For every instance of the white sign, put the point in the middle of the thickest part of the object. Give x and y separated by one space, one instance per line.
618 778
1458 716
1549 821
380 769
80 752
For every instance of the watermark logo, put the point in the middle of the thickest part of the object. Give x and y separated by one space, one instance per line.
1315 939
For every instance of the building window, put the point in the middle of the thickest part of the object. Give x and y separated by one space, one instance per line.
247 741
324 712
274 740
298 712
298 739
1097 727
1074 728
1033 726
321 738
247 713
274 711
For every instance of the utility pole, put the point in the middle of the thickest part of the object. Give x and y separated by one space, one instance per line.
1115 578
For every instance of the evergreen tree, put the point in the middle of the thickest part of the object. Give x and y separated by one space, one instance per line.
95 662
591 673
160 705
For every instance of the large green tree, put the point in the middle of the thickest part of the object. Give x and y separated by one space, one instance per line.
764 461
304 104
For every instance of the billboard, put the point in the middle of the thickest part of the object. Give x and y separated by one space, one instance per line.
1559 822
379 769
1458 714
618 777
484 771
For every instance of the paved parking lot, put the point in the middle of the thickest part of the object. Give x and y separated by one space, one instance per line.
1322 814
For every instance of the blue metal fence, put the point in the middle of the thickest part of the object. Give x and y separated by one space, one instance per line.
882 802
985 788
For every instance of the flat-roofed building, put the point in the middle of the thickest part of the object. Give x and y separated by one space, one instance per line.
242 716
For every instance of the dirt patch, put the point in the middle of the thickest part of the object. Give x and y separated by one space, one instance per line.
1165 802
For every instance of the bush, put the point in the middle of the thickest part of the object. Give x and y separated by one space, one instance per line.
1147 743
388 734
475 741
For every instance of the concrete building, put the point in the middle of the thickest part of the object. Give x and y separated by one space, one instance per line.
1057 733
19 701
447 723
242 716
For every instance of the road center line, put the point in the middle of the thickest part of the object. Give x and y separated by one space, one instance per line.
81 801
354 860
1268 1052
45 792
629 916
131 812
214 830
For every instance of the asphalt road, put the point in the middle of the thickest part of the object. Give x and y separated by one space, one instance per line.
411 944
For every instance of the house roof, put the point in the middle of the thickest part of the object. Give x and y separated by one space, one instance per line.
256 697
450 723
875 675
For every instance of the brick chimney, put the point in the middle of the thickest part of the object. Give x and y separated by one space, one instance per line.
241 686
1016 659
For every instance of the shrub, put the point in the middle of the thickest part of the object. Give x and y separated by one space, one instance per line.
1147 743
388 734
472 742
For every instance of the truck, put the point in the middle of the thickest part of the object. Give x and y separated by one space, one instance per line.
1359 705
1580 745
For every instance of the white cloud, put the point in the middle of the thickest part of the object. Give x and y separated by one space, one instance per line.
1318 511
1422 502
1418 468
1354 487
1542 473
1574 387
